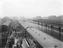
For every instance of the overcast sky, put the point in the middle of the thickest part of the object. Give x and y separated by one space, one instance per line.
31 8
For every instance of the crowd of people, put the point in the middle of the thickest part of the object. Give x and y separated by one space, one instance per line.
15 36
15 41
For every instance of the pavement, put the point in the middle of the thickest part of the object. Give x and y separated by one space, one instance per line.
44 39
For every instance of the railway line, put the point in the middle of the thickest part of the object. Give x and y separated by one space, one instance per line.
18 38
26 39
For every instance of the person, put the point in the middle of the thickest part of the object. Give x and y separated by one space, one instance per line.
18 44
10 43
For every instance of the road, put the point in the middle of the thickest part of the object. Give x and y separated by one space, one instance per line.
44 39
52 31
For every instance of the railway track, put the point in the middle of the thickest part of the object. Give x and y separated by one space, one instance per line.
27 41
10 33
21 36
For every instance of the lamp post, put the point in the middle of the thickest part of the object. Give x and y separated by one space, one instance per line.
60 33
51 29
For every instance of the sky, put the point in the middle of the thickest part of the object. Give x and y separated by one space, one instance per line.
31 8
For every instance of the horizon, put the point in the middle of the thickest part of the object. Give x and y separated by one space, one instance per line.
32 17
